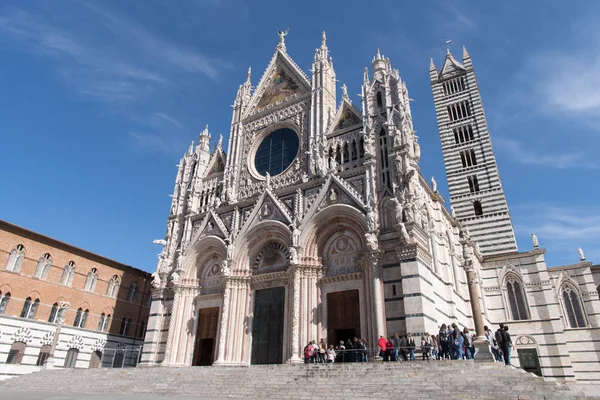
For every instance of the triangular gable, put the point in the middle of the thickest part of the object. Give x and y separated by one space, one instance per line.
211 225
268 207
451 66
335 190
347 116
216 163
282 80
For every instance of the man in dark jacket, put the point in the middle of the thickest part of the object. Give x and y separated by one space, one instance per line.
506 345
499 335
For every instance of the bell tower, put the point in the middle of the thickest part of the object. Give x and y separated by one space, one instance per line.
476 193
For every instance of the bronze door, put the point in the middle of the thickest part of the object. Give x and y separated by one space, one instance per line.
528 358
343 316
206 334
267 327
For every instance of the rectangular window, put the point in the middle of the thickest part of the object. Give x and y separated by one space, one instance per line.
473 183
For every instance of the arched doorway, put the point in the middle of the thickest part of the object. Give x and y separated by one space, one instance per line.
206 336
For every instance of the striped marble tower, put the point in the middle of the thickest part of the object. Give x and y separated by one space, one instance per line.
476 193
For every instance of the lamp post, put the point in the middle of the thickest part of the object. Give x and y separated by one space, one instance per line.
60 320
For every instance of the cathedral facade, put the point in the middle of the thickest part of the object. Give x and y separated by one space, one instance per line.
317 224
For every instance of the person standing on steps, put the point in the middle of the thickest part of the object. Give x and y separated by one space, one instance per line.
467 343
330 355
507 343
403 347
382 343
500 340
411 346
443 342
396 343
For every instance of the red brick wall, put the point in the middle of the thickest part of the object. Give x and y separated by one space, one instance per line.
22 284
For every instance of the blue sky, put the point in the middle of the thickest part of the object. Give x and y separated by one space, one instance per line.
101 98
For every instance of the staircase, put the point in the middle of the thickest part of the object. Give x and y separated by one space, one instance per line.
394 380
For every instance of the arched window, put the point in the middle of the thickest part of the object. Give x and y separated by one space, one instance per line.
71 358
516 298
111 291
142 331
90 280
77 317
125 326
68 274
15 259
16 353
573 307
103 325
148 299
132 292
53 313
4 302
43 267
383 150
379 102
477 207
43 356
30 308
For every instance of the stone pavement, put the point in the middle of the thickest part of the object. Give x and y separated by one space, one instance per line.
400 380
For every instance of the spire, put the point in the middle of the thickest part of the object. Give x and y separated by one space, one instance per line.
466 58
432 71
249 75
191 149
323 40
204 139
379 63
366 75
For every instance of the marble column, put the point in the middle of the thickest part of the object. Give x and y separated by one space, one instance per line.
295 325
482 348
224 322
378 306
172 326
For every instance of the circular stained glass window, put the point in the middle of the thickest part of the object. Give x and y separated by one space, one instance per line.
276 152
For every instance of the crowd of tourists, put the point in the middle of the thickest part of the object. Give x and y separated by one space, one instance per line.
451 343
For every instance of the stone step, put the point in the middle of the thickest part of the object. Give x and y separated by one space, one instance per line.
407 380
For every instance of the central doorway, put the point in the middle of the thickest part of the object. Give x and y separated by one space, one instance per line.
343 316
206 334
267 326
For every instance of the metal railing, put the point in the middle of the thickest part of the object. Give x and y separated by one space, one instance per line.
126 357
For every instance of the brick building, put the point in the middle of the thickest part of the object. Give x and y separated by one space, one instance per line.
102 304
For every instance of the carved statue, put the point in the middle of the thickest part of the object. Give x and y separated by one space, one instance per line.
417 149
345 91
230 250
217 201
371 241
433 185
267 180
225 270
210 226
452 212
332 165
404 236
282 35
293 256
332 195
534 239
398 209
581 254
371 223
155 280
162 242
295 235
174 277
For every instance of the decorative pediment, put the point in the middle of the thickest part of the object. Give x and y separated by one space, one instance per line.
99 345
76 342
451 67
282 81
23 334
508 269
210 225
347 116
216 163
335 190
268 207
48 338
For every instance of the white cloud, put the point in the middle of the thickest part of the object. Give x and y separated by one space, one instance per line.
566 78
561 229
156 143
520 153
